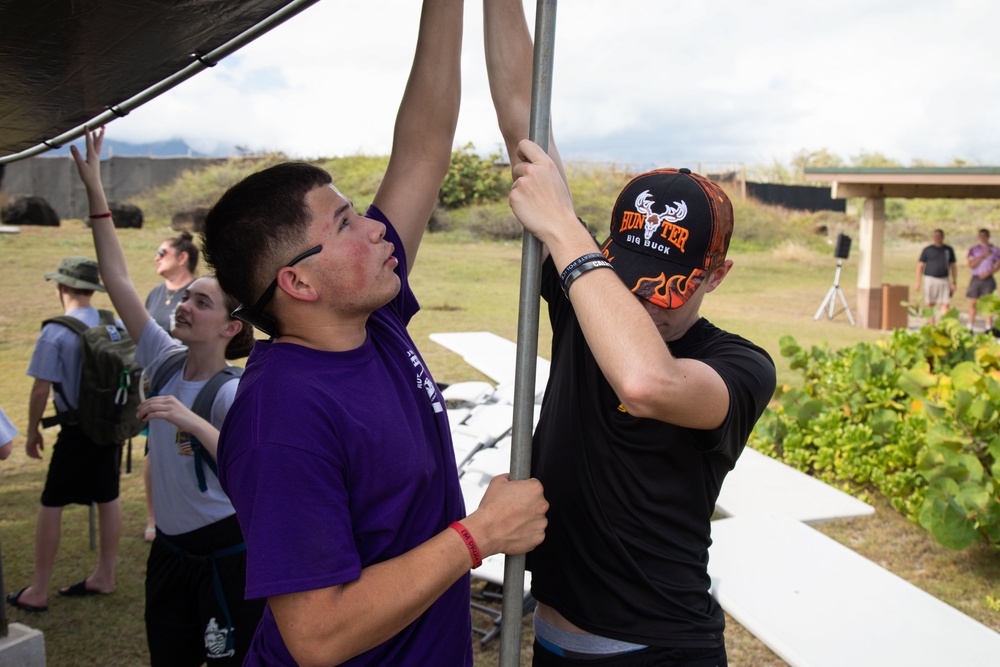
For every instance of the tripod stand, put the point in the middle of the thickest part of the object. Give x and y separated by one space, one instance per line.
831 297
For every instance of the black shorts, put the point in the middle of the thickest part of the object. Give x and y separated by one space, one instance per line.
652 656
195 611
979 287
81 472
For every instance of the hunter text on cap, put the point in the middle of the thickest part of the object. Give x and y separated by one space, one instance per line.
670 228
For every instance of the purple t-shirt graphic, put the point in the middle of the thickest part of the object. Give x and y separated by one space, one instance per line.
336 461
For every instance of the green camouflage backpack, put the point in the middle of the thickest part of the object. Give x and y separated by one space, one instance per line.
109 382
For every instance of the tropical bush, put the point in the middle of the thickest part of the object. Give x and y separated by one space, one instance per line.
913 417
473 180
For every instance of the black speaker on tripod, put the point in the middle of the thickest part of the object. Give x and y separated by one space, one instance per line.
841 251
843 247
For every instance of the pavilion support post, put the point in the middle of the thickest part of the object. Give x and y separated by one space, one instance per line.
872 232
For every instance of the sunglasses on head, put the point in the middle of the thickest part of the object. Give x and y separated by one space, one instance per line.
255 315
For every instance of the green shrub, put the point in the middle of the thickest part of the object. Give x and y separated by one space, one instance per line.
961 458
913 417
472 180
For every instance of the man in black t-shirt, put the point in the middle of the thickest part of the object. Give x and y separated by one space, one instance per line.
647 407
936 262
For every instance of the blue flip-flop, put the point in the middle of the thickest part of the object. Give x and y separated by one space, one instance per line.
14 599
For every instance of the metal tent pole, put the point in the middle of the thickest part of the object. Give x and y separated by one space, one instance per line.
527 334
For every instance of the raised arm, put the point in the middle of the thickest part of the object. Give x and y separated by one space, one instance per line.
647 378
425 125
509 60
114 271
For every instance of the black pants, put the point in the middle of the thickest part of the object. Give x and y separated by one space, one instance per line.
654 656
195 611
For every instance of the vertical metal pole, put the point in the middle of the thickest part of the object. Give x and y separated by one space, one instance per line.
527 334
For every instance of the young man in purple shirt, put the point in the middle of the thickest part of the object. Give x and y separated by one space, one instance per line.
336 452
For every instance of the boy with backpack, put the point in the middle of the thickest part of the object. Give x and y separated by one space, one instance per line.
81 470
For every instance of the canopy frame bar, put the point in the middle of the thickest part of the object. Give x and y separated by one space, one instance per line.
198 64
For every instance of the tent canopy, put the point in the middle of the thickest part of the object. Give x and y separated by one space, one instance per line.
65 64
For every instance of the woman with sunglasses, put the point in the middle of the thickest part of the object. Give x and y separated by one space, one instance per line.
176 262
196 570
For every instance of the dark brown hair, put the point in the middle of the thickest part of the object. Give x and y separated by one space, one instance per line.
185 243
240 344
258 225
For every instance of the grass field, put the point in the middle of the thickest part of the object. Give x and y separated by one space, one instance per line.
463 287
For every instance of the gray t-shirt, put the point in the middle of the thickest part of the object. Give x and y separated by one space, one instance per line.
180 505
160 304
56 357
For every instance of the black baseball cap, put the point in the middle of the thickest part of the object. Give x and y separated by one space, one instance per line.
670 228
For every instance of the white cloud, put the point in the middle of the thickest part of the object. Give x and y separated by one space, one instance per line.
634 80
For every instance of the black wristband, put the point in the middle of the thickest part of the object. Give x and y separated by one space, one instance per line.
577 262
582 269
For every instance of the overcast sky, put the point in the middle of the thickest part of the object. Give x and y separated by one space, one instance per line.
636 81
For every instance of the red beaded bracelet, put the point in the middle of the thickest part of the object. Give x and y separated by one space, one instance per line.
477 557
101 215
